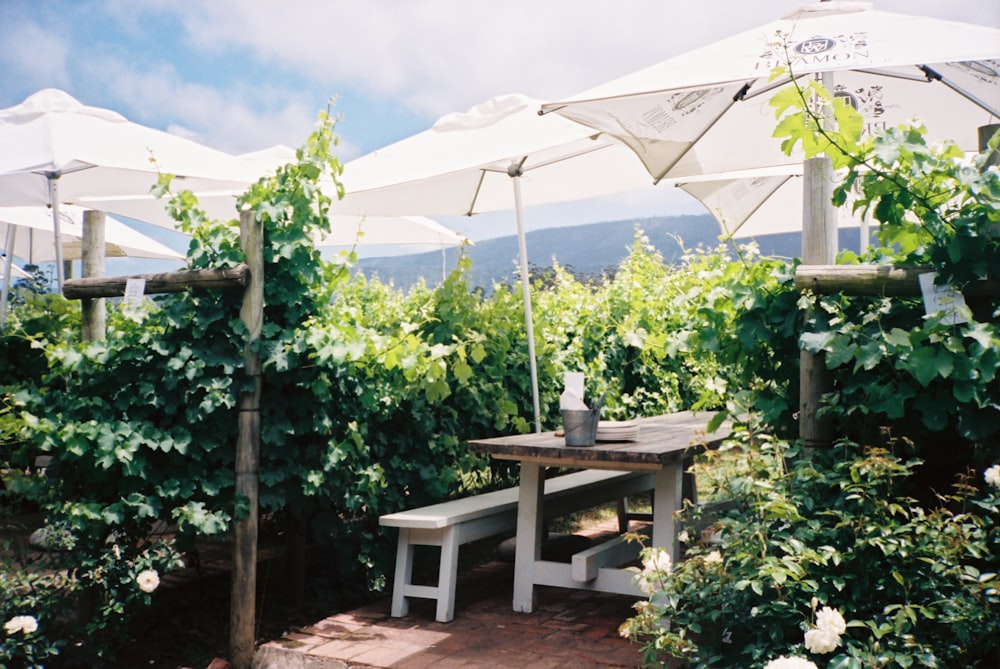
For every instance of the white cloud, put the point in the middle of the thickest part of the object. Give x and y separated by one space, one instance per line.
222 118
438 56
441 55
32 52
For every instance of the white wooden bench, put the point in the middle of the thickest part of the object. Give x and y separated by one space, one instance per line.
453 523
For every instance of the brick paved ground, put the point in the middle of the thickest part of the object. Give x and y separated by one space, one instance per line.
569 629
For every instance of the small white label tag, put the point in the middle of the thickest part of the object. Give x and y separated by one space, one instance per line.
942 298
135 289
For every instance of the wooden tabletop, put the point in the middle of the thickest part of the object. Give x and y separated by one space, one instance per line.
662 440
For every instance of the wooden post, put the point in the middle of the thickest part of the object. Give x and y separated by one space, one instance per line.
986 133
244 584
93 310
819 247
819 216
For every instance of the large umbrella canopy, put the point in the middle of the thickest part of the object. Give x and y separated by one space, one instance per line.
706 111
345 230
57 150
34 239
499 155
461 165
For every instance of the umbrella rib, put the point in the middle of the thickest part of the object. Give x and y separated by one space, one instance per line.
933 75
766 88
929 75
475 195
566 156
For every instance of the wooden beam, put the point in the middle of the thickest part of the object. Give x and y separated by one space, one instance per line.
875 280
168 282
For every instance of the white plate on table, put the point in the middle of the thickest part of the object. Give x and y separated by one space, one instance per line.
612 430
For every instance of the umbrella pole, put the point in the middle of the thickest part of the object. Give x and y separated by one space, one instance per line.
522 245
8 250
56 233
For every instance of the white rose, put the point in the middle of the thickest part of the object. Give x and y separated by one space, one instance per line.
992 476
790 663
821 641
148 580
830 620
23 624
659 561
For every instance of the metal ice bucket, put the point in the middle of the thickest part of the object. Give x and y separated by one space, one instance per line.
580 427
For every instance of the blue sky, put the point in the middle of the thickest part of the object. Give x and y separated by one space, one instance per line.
242 75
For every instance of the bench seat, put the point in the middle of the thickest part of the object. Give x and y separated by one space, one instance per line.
455 522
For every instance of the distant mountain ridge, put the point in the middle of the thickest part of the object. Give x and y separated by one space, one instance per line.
585 249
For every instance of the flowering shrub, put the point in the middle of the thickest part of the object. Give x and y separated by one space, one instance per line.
812 538
76 603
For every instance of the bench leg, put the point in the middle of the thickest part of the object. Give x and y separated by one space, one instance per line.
689 489
447 576
404 574
623 519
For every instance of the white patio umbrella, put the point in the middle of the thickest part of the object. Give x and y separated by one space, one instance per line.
57 150
346 230
27 234
705 112
499 155
15 273
389 231
34 240
761 202
417 232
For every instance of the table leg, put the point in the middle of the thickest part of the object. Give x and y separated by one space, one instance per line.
666 501
528 544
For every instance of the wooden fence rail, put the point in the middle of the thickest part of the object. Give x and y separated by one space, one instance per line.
876 280
168 282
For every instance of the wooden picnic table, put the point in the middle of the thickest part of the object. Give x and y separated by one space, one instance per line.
662 446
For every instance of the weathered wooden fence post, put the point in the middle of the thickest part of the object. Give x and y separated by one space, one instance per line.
93 310
986 133
819 247
242 608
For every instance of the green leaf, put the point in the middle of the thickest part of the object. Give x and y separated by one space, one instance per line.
928 363
898 338
840 351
